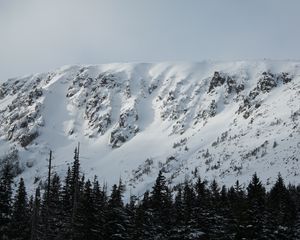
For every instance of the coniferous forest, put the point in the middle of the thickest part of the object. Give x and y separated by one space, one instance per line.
75 208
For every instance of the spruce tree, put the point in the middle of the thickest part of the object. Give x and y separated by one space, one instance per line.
282 211
6 181
178 207
188 205
237 201
159 199
116 217
52 210
202 200
100 204
130 210
35 216
143 223
71 196
216 218
168 213
86 215
20 224
256 208
67 206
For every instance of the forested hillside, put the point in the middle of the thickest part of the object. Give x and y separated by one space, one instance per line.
79 208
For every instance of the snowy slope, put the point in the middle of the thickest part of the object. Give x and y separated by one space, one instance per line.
223 120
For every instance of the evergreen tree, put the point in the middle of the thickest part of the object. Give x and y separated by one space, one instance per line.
202 202
282 211
216 219
178 230
81 210
143 223
296 229
35 216
178 206
188 205
86 215
67 204
238 206
52 210
130 210
159 203
20 224
71 196
159 192
167 214
256 208
226 215
116 217
100 204
76 191
6 181
296 199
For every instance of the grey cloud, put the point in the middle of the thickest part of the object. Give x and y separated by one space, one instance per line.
39 35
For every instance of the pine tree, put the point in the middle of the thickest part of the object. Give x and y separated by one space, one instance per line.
71 196
100 204
76 190
67 204
167 213
296 199
256 208
158 201
20 225
237 201
202 200
116 217
159 192
130 210
216 219
282 211
184 223
178 206
35 216
86 215
226 214
188 205
177 231
296 230
81 210
6 181
143 223
52 210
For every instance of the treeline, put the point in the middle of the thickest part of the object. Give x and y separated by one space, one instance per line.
79 209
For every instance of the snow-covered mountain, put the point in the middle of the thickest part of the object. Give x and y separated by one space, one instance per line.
223 120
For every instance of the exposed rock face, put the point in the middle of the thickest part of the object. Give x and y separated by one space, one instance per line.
219 120
265 84
21 118
231 85
125 129
216 81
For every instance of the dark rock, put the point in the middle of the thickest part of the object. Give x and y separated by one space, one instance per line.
267 82
217 80
285 77
26 139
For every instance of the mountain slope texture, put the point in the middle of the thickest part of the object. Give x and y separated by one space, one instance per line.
217 120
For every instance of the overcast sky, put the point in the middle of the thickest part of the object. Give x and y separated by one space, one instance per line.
39 35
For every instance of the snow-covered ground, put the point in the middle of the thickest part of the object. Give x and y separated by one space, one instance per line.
223 120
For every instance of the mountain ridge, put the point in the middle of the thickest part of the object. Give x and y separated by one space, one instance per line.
223 120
